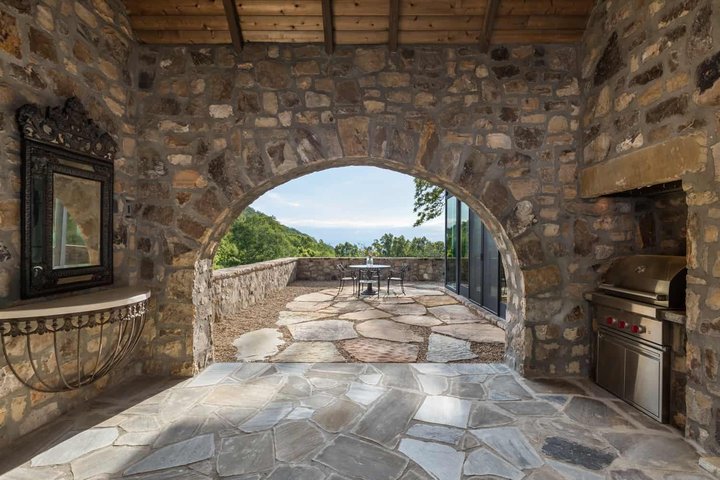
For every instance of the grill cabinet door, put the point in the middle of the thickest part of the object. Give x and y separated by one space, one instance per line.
643 379
610 369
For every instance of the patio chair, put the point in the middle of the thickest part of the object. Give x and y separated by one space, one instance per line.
398 277
368 277
346 276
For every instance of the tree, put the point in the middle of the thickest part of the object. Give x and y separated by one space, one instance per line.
347 249
429 202
256 237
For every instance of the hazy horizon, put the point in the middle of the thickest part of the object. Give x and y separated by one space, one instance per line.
349 204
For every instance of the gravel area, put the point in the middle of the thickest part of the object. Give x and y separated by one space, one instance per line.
266 313
260 315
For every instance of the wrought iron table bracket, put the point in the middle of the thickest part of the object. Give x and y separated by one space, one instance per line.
118 314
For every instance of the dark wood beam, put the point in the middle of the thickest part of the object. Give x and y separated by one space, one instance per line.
328 26
488 24
233 20
394 25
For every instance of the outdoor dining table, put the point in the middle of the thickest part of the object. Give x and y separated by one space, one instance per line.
365 268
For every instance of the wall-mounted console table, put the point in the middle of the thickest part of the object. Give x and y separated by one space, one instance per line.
67 343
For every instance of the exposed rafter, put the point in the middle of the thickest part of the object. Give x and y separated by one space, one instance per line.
233 20
360 22
327 15
488 24
394 24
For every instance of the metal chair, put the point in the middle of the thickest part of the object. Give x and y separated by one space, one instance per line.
346 276
399 277
368 277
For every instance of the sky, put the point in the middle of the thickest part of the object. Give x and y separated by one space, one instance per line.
349 204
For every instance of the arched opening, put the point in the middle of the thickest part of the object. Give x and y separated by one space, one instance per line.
204 314
305 292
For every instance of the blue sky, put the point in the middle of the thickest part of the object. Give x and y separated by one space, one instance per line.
354 204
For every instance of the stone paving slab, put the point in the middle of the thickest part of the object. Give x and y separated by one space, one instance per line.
258 345
315 297
404 309
388 330
475 332
445 410
296 440
76 446
286 318
446 349
310 352
369 461
418 320
350 421
436 300
323 330
182 453
442 461
337 416
242 454
369 314
372 350
455 314
330 316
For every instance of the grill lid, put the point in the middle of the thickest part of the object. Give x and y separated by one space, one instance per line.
656 279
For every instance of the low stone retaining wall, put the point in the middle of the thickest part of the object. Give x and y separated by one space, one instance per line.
239 287
323 268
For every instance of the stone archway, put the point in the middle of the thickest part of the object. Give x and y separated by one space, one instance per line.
218 130
516 219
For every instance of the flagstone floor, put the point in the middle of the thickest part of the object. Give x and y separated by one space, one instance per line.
424 324
356 421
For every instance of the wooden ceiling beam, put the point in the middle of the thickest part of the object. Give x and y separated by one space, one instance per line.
234 24
489 24
327 15
394 25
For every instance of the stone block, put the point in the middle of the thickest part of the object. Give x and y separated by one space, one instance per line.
652 165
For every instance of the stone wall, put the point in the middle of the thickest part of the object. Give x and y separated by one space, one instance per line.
421 269
51 50
662 224
499 130
651 75
239 287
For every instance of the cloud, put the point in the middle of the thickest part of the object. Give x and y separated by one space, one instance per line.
358 223
280 200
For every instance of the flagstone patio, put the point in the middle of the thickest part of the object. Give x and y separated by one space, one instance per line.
424 324
345 421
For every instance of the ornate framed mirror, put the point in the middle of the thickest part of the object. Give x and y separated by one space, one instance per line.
67 192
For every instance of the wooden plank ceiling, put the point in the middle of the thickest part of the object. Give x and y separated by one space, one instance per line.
358 22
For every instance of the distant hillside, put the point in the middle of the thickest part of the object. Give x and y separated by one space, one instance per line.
256 237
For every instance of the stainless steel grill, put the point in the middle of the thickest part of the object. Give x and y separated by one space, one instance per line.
639 295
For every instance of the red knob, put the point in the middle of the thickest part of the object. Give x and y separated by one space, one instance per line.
622 324
610 320
635 329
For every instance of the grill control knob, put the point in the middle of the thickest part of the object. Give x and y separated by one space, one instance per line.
610 321
621 325
637 329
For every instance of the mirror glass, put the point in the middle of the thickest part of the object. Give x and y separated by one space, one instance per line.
76 221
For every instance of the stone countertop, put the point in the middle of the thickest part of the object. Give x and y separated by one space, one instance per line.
79 303
674 316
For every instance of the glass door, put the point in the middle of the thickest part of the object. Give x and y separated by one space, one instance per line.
491 273
451 243
476 258
464 250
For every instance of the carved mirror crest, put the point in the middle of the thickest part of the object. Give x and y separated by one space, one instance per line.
67 191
